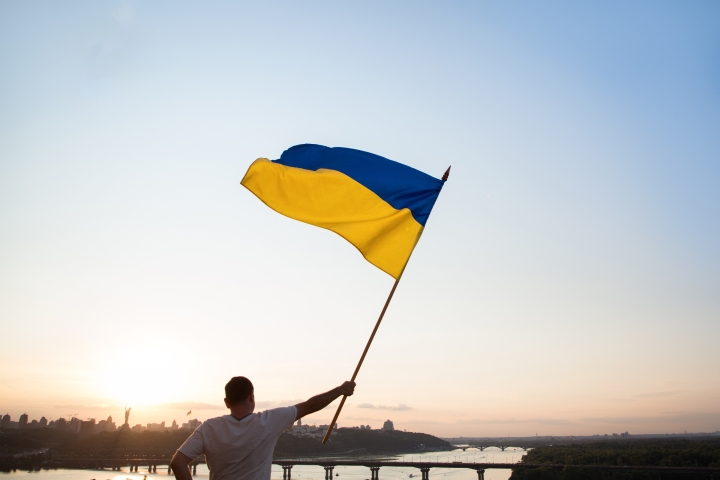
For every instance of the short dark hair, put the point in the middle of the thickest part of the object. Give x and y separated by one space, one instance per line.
237 390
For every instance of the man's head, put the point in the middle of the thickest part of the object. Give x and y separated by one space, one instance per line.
239 391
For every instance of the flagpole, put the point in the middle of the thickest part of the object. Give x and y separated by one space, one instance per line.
362 358
372 336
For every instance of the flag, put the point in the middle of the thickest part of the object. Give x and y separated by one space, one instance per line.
378 205
188 413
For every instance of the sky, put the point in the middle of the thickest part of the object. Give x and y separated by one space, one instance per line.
568 279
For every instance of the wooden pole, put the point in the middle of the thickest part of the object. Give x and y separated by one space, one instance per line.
367 347
362 358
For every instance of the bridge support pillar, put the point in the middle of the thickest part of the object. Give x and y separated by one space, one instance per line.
503 448
425 473
329 472
481 473
195 469
169 470
286 471
374 473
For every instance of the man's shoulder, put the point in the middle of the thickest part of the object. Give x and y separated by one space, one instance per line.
214 421
281 415
279 411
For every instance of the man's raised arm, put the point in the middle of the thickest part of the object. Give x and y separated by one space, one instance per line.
318 402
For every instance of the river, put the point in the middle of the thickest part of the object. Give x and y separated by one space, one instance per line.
302 472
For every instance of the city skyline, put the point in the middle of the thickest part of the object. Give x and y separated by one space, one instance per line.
109 425
566 282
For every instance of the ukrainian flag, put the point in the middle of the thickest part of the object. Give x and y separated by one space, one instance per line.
378 205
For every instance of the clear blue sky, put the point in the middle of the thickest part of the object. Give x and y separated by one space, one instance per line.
568 281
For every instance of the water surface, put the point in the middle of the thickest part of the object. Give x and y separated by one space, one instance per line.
303 472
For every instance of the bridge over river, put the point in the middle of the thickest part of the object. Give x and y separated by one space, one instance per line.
490 445
328 464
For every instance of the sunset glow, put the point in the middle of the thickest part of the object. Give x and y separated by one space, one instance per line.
566 282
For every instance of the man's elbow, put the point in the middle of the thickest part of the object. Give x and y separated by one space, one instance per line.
302 410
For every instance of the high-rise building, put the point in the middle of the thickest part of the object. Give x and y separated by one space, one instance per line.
191 424
156 427
73 425
43 422
388 426
5 422
22 423
105 425
87 428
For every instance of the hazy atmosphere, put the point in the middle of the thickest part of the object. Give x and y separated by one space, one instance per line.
568 280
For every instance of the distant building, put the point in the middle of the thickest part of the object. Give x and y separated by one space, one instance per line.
191 424
87 428
33 424
73 425
388 426
156 427
138 428
300 430
22 423
312 431
5 422
105 425
368 427
173 427
43 423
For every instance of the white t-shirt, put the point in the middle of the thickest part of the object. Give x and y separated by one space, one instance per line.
239 449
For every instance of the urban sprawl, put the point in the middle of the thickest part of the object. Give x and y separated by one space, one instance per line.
91 427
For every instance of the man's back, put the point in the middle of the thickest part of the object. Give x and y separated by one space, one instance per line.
240 446
239 449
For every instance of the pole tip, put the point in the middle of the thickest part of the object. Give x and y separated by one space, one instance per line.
446 174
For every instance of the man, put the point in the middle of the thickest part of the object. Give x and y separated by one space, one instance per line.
240 446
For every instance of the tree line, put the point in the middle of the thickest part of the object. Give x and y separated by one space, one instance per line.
703 452
122 444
